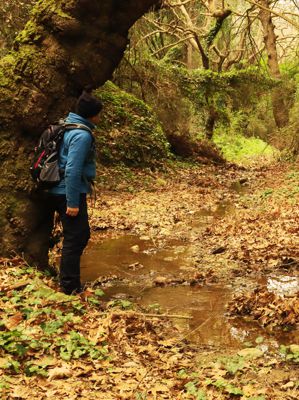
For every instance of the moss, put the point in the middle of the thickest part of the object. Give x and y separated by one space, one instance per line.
129 131
23 62
47 7
31 32
6 70
42 10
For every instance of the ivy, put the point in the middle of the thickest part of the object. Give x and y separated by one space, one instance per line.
129 131
76 345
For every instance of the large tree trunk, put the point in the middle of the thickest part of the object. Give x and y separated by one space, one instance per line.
66 45
279 97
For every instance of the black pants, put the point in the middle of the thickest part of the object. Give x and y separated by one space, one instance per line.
76 233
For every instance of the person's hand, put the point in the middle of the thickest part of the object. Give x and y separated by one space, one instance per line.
72 212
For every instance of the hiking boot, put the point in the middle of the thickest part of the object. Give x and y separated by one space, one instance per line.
71 292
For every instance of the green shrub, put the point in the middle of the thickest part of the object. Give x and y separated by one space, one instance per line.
129 132
242 150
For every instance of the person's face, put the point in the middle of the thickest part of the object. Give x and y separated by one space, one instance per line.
95 120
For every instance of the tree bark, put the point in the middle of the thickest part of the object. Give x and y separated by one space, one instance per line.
65 45
280 107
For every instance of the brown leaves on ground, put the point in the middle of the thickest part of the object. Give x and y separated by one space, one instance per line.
233 230
53 346
56 354
146 359
167 205
268 308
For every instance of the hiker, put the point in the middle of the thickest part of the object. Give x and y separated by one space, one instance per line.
68 197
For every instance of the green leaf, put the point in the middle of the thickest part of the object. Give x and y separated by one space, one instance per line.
283 349
201 395
15 365
232 365
220 383
99 292
79 352
294 348
259 340
52 327
4 385
126 304
32 369
182 374
93 300
191 388
78 306
231 389
194 391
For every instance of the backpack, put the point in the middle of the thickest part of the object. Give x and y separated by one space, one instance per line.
44 168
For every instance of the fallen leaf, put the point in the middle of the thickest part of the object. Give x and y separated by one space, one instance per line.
60 373
250 353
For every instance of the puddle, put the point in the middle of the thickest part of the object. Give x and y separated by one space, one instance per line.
130 257
210 324
137 262
207 215
206 306
222 209
240 186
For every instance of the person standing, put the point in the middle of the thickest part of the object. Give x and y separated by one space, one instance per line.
68 197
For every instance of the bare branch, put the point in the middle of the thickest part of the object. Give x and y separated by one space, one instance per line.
169 4
282 16
169 46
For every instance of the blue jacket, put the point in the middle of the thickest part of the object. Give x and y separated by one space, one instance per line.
77 159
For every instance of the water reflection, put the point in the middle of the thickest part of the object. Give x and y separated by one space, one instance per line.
283 285
121 257
137 262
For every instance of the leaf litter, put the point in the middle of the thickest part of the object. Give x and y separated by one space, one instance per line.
84 348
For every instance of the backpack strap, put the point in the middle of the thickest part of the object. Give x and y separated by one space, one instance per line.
70 126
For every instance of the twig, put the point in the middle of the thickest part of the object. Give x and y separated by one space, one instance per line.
17 285
275 13
163 316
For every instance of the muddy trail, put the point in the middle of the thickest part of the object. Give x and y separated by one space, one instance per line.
191 293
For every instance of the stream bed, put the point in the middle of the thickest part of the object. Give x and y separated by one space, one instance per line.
140 270
137 269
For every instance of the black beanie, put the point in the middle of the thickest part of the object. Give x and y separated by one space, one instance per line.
87 105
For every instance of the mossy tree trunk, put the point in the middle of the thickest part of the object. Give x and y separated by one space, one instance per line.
279 97
65 45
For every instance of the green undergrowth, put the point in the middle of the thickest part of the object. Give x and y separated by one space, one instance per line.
41 327
237 375
42 9
47 336
139 134
133 179
287 191
244 150
129 131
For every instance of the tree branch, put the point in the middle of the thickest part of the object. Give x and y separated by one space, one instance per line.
274 13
